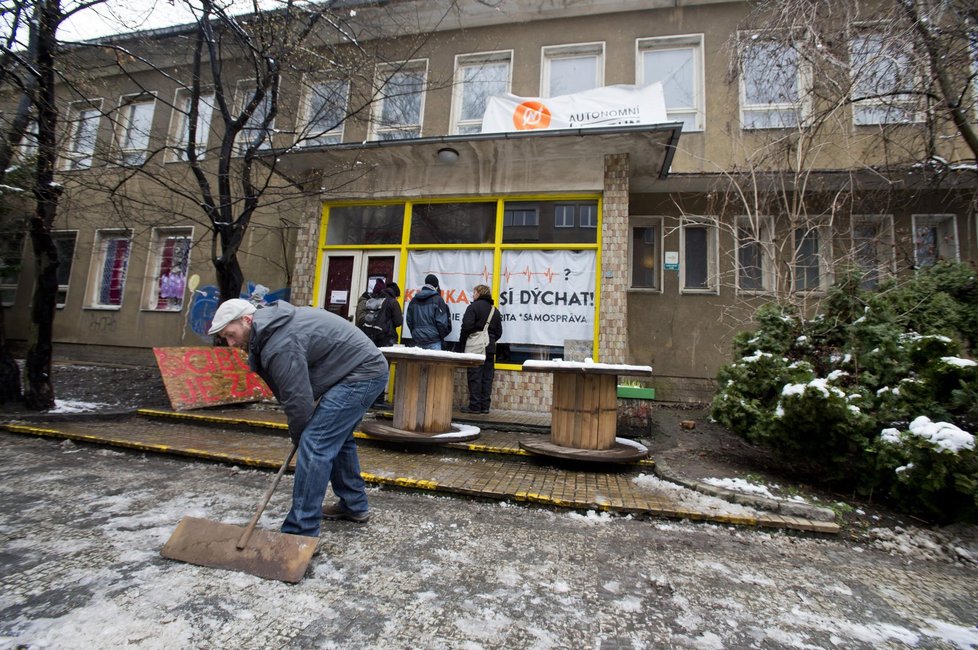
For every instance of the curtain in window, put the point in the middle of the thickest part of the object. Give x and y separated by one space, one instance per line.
114 272
172 278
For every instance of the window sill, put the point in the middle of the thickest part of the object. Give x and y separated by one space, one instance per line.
103 307
644 290
151 310
699 292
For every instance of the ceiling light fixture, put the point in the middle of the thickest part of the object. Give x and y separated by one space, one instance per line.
447 155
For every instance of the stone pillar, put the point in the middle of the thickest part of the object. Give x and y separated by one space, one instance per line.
306 250
613 320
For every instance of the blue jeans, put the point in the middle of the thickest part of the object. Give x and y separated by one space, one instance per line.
328 454
434 345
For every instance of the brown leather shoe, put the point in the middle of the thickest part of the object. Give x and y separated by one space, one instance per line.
336 511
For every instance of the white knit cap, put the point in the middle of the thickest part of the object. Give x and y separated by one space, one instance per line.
230 310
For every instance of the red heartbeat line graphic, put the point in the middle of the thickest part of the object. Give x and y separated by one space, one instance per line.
528 274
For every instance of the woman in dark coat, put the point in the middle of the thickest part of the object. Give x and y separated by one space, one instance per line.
480 377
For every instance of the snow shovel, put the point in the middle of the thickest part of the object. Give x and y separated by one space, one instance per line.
262 553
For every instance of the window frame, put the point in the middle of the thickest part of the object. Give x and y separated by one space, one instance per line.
884 244
244 90
377 129
802 76
464 62
912 104
824 253
692 42
180 125
657 263
154 264
62 296
712 260
98 260
125 126
73 158
765 242
938 219
334 136
14 286
550 53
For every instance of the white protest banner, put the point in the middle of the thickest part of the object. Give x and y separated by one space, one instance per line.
547 297
457 271
605 106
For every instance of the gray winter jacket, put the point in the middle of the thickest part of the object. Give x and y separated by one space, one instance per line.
301 352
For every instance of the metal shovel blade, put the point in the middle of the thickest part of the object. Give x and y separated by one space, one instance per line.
268 554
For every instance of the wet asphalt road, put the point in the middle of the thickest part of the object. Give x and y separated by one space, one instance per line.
82 526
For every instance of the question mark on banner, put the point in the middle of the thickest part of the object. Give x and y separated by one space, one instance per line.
566 274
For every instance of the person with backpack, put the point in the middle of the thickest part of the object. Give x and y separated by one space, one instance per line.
382 314
481 315
427 316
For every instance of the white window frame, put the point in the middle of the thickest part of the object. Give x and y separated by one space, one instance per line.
27 147
245 90
592 220
378 130
802 82
657 263
81 113
180 124
63 288
883 243
946 222
311 134
712 260
824 241
560 215
463 63
911 104
693 117
551 53
763 227
154 261
528 217
99 254
131 140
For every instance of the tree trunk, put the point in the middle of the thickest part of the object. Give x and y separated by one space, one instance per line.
9 372
38 390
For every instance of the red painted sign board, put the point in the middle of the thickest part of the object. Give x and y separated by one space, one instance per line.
196 377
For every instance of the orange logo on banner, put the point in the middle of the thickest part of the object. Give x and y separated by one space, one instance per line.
531 115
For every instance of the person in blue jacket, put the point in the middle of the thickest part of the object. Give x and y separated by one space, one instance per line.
427 316
326 373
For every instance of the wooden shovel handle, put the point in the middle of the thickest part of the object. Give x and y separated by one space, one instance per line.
250 528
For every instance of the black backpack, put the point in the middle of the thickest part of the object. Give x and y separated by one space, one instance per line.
373 317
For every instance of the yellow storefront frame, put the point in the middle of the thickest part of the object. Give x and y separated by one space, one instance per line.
497 246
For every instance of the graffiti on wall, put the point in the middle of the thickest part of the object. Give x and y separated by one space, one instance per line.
207 298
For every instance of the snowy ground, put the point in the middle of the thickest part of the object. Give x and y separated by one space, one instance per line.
81 530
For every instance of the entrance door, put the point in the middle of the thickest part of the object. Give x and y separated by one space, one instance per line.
349 273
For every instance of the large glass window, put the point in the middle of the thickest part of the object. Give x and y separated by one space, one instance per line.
453 223
11 258
82 132
181 125
255 132
676 63
811 255
169 263
64 241
872 247
882 80
110 265
550 222
399 107
699 253
935 239
365 224
571 69
770 86
645 262
325 113
477 78
754 259
135 124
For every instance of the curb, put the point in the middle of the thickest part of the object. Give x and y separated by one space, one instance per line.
778 506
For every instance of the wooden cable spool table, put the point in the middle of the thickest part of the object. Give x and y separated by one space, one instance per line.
584 412
423 385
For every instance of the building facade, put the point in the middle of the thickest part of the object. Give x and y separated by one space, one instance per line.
639 243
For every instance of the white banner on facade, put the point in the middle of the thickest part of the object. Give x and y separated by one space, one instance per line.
458 272
547 297
605 106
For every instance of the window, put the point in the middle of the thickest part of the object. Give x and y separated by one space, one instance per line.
518 217
645 244
169 261
571 69
256 134
400 101
64 241
28 144
811 258
11 258
676 63
872 247
755 244
935 239
135 123
82 131
365 224
882 80
453 223
770 86
564 216
699 257
110 265
181 124
477 78
325 113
